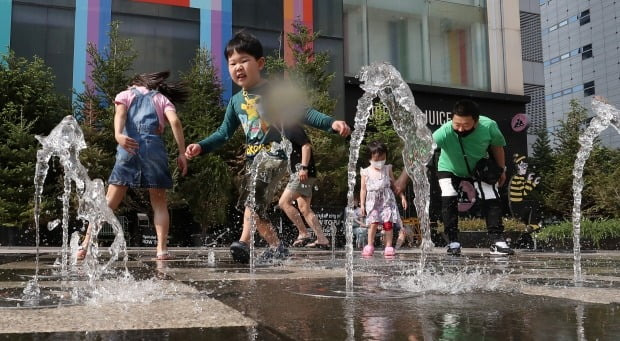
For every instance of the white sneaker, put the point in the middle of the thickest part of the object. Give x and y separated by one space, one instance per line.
501 248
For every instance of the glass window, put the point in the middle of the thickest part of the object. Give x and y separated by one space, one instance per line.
563 23
553 28
578 88
574 52
162 43
555 60
564 56
542 2
395 34
567 91
588 92
586 54
255 14
557 94
47 32
356 33
547 63
572 19
328 17
458 45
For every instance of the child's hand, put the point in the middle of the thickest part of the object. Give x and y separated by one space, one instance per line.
192 150
129 144
342 128
303 175
403 201
182 164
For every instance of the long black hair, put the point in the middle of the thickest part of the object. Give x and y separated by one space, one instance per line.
176 92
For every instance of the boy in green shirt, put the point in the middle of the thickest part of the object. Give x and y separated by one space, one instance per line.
244 54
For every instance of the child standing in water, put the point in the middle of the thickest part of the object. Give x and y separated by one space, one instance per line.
377 200
244 54
140 115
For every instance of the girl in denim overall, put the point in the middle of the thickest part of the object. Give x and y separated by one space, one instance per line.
141 158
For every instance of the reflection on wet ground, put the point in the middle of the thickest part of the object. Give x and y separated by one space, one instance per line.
529 296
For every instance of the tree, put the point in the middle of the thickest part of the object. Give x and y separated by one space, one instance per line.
94 108
309 71
207 189
559 199
28 106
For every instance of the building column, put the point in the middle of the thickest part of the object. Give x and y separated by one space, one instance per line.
505 64
6 9
92 25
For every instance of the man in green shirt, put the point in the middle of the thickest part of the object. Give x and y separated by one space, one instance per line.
464 141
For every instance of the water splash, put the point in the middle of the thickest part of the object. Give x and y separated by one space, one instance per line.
65 142
258 173
605 116
382 80
450 281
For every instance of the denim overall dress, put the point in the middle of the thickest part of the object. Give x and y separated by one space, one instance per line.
148 167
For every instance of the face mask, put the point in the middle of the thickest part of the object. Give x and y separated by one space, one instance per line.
465 133
377 164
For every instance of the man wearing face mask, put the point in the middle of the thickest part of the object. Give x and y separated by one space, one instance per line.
463 142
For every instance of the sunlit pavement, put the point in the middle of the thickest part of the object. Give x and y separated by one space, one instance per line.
530 295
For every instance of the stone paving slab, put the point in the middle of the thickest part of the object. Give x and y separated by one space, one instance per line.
164 314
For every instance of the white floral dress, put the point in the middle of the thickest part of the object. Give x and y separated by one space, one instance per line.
380 200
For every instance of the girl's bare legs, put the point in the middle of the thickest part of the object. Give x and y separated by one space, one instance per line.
291 212
402 236
262 225
304 207
114 196
372 230
161 218
389 235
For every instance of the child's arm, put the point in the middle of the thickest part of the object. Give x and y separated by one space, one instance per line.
306 152
177 131
321 121
120 117
220 136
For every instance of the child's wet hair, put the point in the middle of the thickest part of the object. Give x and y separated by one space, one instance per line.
176 92
377 148
244 42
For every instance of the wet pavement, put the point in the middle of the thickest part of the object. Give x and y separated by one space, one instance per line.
202 294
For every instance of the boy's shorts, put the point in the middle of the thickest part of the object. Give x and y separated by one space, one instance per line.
303 188
270 172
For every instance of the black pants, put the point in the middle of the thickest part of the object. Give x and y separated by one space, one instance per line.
490 204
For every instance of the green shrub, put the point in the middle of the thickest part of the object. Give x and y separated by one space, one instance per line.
592 230
478 224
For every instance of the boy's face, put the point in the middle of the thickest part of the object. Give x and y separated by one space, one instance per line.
244 69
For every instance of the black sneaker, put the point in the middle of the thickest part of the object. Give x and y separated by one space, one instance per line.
240 252
272 255
454 249
501 248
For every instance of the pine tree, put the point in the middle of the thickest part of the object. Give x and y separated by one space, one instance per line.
309 71
28 106
559 199
207 189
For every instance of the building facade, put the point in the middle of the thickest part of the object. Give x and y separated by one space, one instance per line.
446 49
533 70
581 53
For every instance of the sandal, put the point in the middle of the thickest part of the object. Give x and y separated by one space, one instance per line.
301 242
164 256
81 253
316 245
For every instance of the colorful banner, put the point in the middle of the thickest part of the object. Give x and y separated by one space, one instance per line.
5 25
294 10
92 24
